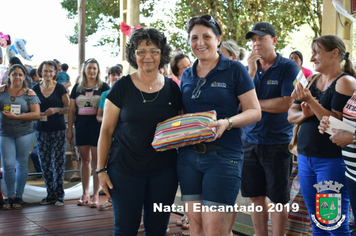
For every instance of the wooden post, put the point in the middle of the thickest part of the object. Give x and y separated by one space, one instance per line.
81 33
129 13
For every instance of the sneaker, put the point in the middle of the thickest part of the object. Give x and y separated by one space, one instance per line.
59 202
48 200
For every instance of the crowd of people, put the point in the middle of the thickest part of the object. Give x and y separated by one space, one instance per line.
257 106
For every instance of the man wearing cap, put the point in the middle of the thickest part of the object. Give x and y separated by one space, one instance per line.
267 160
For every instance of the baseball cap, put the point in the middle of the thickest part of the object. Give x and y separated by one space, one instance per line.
261 29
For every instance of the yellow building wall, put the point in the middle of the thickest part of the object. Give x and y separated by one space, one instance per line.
336 24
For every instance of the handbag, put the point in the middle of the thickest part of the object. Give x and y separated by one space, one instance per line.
184 130
293 145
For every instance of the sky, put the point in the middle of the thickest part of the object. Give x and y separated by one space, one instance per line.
44 25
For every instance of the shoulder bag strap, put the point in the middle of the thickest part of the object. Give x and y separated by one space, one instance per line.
315 77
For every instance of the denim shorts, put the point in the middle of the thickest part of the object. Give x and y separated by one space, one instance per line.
266 171
213 177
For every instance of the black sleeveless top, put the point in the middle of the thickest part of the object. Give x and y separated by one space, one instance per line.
310 141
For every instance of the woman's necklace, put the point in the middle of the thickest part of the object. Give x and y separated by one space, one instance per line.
150 88
13 98
47 89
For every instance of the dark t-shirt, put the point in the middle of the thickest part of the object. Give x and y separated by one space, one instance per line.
310 141
275 82
132 152
224 83
54 122
87 103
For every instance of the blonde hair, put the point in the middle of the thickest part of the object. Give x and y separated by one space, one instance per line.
84 81
232 48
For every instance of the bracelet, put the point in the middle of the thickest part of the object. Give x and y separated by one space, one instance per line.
354 139
101 170
230 123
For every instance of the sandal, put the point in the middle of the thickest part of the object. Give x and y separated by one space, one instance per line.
83 201
17 203
8 204
107 205
185 224
94 204
181 220
75 178
181 234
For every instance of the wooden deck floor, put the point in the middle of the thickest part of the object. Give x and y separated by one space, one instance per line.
35 219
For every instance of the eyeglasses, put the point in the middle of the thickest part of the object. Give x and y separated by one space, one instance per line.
196 91
207 18
152 52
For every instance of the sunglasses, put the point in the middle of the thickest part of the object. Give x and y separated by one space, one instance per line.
207 18
197 91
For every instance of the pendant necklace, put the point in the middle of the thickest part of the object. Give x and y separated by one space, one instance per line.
150 88
13 98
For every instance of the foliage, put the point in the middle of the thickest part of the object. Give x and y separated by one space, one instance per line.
238 16
235 16
97 12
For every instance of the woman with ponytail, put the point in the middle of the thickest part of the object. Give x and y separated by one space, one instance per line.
320 162
346 139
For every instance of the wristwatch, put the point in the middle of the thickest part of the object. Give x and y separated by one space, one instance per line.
230 123
101 170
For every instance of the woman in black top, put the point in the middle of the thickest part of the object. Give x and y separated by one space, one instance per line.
319 160
83 108
137 175
51 131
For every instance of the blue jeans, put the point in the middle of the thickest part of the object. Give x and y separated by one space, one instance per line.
35 157
14 153
130 193
313 170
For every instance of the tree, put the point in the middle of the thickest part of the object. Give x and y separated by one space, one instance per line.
238 16
235 16
99 14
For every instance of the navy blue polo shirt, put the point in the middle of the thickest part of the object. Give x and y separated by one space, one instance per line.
277 81
224 84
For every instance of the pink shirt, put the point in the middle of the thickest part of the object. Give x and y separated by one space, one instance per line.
307 72
176 80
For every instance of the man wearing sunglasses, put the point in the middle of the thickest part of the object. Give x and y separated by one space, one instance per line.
267 161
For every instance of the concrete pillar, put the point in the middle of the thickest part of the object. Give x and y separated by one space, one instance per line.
129 13
337 24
